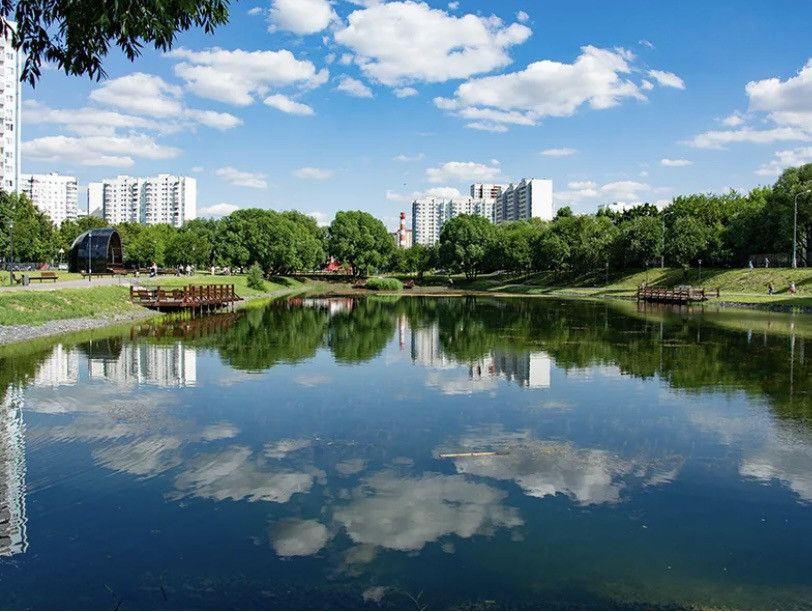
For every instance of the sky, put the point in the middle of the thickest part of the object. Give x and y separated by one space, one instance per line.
322 105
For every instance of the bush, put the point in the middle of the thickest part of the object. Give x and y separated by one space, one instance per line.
254 279
384 284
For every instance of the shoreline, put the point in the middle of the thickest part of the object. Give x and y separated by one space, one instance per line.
14 334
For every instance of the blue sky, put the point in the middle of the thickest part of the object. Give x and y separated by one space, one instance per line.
323 106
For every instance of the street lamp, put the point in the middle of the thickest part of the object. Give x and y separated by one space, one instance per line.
700 271
89 251
61 253
11 255
795 228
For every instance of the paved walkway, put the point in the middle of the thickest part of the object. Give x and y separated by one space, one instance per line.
71 284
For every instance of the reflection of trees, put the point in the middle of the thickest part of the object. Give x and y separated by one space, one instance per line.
689 353
264 337
362 333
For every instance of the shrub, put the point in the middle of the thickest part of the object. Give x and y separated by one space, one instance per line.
254 279
384 284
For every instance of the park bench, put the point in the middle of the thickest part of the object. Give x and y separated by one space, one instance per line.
45 276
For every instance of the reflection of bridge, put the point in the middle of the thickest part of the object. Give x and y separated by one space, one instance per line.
13 538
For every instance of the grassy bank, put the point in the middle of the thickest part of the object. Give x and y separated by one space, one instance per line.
741 286
37 307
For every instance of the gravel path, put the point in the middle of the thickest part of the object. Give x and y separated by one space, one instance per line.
19 333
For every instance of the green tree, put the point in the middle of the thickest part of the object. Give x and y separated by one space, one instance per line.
465 242
76 36
71 229
686 240
550 251
360 240
34 236
639 241
780 212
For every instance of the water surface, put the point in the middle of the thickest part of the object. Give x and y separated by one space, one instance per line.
473 453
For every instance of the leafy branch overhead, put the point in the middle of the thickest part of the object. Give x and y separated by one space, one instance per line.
77 35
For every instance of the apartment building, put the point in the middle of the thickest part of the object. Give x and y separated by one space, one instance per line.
165 198
10 114
54 194
485 191
430 214
526 199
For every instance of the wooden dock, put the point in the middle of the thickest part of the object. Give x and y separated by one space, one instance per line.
677 295
195 298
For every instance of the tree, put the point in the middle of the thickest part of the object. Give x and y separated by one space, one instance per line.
780 211
465 241
188 246
417 258
33 232
360 240
71 229
308 240
77 35
686 240
639 241
550 251
514 245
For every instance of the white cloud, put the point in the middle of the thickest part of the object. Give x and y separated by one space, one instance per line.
403 42
646 43
453 5
116 151
298 538
522 16
436 193
786 159
143 94
300 16
624 190
787 105
787 102
667 79
455 171
646 85
317 174
197 169
212 119
547 88
405 92
85 121
735 119
255 180
562 152
257 10
675 163
238 76
282 448
286 105
409 158
628 193
717 139
407 513
353 87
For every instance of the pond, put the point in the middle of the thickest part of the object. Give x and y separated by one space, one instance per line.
412 453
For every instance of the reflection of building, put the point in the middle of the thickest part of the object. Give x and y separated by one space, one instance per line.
60 368
151 364
332 305
528 369
12 475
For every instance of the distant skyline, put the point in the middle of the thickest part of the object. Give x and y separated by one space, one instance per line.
322 106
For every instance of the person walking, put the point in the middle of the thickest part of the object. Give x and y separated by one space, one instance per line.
770 288
792 289
766 262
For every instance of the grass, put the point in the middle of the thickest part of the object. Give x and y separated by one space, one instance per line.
384 284
741 286
36 307
240 283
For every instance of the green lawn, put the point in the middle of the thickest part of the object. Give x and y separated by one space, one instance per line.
239 282
35 307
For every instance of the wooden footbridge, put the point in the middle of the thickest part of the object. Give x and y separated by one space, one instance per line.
194 298
678 295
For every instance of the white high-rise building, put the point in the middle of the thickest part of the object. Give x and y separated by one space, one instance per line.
527 199
54 194
95 199
429 215
482 191
10 100
165 198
